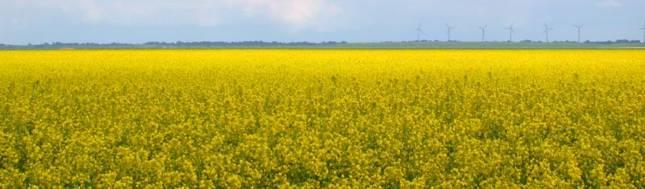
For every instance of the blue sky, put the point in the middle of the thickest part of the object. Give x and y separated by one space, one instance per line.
37 21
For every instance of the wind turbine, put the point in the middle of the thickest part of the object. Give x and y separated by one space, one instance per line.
511 30
483 29
419 32
579 28
547 29
450 28
643 28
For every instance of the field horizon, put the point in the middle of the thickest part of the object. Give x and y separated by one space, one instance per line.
423 44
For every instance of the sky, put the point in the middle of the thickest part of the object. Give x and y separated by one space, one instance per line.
136 21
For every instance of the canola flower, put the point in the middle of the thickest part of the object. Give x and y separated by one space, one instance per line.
322 119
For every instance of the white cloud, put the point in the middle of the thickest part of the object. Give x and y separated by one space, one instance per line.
295 13
292 13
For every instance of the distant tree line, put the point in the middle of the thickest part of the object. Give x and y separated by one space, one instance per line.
242 43
302 44
619 41
178 44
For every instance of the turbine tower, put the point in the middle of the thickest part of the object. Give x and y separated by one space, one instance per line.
547 29
483 29
643 28
419 32
450 28
511 30
579 28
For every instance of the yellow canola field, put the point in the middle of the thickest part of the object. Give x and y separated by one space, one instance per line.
322 118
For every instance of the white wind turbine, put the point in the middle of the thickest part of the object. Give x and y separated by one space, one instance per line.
643 28
547 29
483 30
579 28
511 30
419 32
449 28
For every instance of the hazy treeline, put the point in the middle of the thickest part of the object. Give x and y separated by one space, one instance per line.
333 44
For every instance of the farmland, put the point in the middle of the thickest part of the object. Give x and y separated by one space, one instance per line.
322 118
